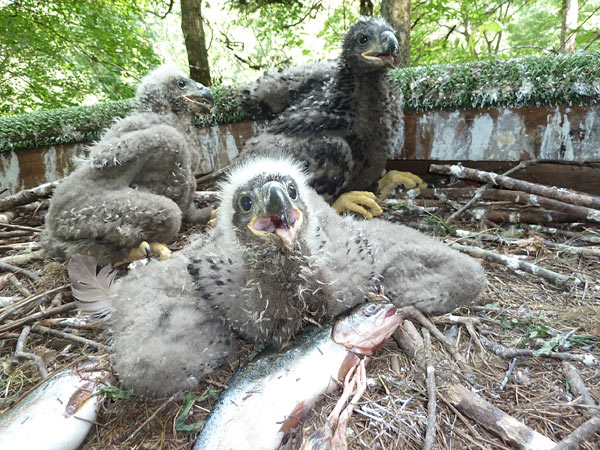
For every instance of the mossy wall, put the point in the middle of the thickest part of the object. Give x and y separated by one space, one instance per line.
534 81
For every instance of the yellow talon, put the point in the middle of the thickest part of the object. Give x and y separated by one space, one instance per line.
213 218
145 250
394 178
358 201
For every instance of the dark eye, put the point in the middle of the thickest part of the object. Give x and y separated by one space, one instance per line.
292 191
363 39
182 84
245 203
371 309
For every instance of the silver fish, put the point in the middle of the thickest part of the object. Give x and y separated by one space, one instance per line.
56 415
268 398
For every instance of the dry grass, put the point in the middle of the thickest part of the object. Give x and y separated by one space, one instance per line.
520 310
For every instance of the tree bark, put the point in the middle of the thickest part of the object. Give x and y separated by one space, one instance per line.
366 7
195 42
397 13
570 10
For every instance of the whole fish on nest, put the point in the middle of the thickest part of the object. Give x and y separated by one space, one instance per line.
266 399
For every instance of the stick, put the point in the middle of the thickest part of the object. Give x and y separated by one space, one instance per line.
508 374
409 339
589 251
582 434
159 409
18 285
507 427
36 316
516 264
480 191
413 312
20 227
555 193
577 386
21 354
10 268
28 195
21 246
534 216
12 234
592 239
25 258
70 337
28 300
508 353
431 394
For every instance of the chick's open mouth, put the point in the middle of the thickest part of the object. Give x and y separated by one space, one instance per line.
386 58
201 103
277 229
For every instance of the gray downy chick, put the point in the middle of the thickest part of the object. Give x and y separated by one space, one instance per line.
138 182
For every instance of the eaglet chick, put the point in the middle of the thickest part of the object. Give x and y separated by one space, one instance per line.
138 182
341 127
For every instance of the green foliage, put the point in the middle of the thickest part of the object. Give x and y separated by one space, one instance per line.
188 402
114 393
60 126
530 81
64 52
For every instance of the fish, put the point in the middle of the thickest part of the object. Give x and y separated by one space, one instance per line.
56 415
266 399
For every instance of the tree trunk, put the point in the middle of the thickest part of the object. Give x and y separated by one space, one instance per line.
366 7
195 43
397 13
570 11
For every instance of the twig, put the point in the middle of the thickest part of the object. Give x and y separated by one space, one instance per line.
577 386
480 191
507 427
413 312
431 395
409 339
31 299
508 353
20 353
517 197
555 193
580 435
12 234
152 416
535 216
211 176
18 285
590 238
10 268
28 195
70 337
468 322
36 316
508 374
590 251
20 227
25 258
516 264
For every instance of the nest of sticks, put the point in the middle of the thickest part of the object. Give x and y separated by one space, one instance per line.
521 366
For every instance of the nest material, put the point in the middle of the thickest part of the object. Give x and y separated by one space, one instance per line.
520 311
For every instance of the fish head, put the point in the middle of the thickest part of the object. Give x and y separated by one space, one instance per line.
364 329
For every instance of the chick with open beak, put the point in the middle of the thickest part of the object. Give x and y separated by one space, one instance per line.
276 216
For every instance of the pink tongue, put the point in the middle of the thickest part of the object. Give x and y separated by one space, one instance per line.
265 224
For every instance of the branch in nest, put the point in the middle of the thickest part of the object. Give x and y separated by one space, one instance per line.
555 193
516 264
509 353
36 316
70 337
507 427
431 395
20 353
580 435
577 386
27 196
6 267
24 258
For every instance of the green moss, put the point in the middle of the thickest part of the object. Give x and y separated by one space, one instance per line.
533 81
